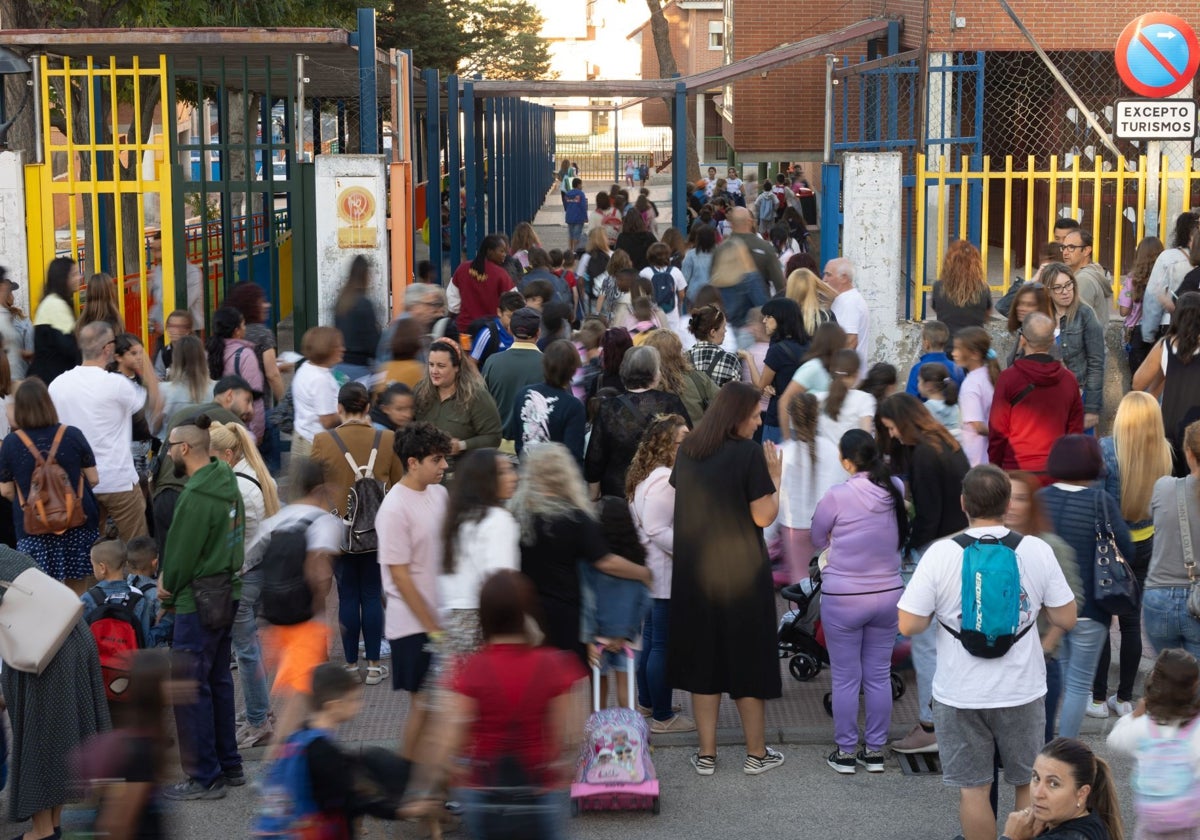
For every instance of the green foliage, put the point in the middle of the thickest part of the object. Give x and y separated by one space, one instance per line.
495 38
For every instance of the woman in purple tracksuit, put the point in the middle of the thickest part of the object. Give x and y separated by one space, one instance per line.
864 523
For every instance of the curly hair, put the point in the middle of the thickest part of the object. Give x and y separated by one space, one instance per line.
551 487
467 381
657 449
962 273
1171 687
672 363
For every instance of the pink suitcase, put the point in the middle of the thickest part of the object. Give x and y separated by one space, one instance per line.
616 772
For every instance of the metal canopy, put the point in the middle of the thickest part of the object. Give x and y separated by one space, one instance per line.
331 58
780 56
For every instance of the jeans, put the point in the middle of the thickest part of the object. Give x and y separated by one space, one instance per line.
551 805
207 740
1080 653
360 604
924 660
748 294
1054 687
248 649
860 632
652 686
772 433
1167 621
353 372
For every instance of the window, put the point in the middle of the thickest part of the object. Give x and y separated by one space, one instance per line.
716 35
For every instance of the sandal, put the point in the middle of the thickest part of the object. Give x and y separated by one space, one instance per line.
376 673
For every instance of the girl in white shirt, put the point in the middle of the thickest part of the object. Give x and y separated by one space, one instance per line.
652 506
843 407
811 465
973 353
481 538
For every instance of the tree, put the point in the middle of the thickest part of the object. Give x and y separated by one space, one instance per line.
660 30
495 38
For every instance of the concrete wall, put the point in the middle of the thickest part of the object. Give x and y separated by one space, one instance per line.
348 224
14 250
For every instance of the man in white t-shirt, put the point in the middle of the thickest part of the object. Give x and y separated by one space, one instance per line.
101 405
850 309
409 525
985 705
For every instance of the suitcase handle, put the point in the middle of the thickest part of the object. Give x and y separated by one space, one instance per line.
630 667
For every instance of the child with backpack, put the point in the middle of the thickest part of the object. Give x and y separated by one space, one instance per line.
643 320
315 790
142 561
667 284
118 615
1162 735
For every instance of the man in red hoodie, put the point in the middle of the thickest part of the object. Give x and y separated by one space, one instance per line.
1036 402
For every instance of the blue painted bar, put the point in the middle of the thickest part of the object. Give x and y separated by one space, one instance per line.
470 161
679 159
368 85
433 169
831 212
454 159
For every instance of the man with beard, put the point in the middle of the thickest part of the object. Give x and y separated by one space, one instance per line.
200 582
232 403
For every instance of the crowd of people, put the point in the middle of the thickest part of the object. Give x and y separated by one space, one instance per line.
559 456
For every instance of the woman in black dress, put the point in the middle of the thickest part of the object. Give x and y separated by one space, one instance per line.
722 635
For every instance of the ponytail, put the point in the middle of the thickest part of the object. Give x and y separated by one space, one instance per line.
1103 800
978 340
843 370
937 376
859 448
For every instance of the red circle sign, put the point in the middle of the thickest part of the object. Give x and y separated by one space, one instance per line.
1158 54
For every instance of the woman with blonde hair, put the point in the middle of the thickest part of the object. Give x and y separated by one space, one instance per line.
559 530
677 376
1136 456
101 303
961 297
234 444
810 293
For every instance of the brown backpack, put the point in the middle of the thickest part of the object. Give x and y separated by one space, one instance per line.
53 505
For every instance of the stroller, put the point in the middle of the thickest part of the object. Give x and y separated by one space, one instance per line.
802 639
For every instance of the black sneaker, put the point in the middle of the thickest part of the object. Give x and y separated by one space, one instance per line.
235 777
191 789
870 759
842 762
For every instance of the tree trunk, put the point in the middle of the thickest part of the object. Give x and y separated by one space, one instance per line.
661 31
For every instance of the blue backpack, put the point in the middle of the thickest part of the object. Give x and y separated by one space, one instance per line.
991 595
287 810
663 285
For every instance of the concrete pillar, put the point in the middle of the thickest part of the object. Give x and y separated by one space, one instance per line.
871 239
14 244
700 130
939 125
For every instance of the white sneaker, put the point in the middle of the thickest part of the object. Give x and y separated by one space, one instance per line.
1096 710
755 765
1121 707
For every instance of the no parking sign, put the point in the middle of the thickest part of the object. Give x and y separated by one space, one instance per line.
1158 54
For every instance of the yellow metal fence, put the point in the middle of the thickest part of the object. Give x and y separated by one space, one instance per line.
83 160
1018 209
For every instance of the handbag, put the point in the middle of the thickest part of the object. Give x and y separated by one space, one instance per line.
214 600
1114 587
37 613
1189 558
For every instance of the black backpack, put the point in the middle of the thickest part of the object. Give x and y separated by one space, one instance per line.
362 501
286 597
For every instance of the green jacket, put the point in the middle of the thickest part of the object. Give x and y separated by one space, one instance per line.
207 535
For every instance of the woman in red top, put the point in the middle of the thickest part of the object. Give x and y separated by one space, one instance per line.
478 284
510 713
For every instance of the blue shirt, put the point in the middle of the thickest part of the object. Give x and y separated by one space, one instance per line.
577 207
956 373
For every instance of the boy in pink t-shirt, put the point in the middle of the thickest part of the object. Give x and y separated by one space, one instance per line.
409 526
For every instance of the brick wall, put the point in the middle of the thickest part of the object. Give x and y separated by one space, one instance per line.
689 44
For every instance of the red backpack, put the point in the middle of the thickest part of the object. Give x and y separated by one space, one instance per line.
118 636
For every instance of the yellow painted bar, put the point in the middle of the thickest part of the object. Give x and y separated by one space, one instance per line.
1164 175
941 210
1052 209
1075 186
1008 185
38 222
919 234
1097 241
963 203
1030 184
166 204
118 215
983 218
1118 226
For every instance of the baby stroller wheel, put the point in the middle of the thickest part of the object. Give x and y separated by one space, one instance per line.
827 702
898 686
804 667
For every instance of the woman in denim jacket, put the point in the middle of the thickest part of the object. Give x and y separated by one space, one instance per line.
1080 337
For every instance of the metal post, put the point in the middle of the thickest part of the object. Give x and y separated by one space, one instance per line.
470 160
489 174
368 85
830 60
454 159
481 157
831 211
679 160
104 258
298 131
36 62
433 169
616 141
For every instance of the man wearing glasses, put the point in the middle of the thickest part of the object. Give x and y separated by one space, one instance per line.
1092 281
